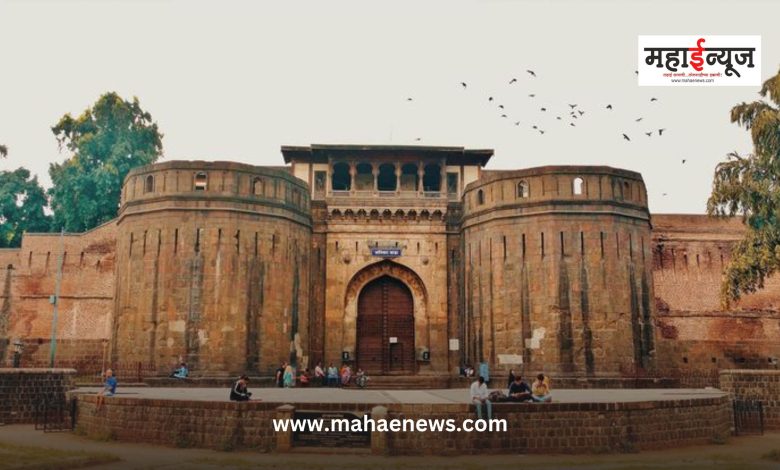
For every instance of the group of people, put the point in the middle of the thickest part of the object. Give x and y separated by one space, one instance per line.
519 391
331 377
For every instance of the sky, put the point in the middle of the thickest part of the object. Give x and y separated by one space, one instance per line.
236 80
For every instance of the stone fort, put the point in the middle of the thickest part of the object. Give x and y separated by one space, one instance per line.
401 260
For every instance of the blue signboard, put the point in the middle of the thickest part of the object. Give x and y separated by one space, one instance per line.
386 252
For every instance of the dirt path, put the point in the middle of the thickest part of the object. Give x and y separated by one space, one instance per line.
739 454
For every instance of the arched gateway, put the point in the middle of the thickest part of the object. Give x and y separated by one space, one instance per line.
385 323
385 327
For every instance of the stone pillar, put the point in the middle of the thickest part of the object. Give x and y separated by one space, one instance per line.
352 173
375 174
443 179
420 175
379 440
284 438
397 178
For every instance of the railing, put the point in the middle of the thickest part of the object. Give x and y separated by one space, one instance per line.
748 417
55 413
124 372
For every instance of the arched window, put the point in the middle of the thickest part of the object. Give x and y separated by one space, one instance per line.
523 190
386 181
149 184
480 197
432 177
409 177
340 180
364 179
258 187
201 181
577 186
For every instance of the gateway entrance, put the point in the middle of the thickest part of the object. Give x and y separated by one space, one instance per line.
385 328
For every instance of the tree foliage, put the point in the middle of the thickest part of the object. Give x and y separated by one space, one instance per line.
106 141
22 201
749 185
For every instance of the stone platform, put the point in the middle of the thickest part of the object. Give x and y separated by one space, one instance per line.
384 397
578 421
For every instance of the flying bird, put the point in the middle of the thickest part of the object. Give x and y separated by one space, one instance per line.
463 84
534 127
531 72
664 194
609 106
531 95
572 124
408 99
541 131
417 139
649 134
574 116
626 137
517 123
653 99
490 98
544 109
661 131
636 72
683 162
572 106
581 112
503 115
637 120
512 81
558 118
501 106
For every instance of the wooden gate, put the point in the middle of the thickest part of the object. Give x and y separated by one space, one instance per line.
385 328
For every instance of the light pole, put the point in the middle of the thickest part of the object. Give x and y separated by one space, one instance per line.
55 300
105 348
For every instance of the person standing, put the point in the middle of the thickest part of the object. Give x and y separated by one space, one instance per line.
279 377
479 396
511 378
333 375
289 376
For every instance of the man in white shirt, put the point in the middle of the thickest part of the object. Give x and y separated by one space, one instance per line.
479 396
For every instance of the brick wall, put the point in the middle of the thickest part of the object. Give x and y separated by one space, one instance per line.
20 390
533 428
570 427
695 332
761 385
215 425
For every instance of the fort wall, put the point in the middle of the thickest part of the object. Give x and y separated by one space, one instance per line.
557 266
213 268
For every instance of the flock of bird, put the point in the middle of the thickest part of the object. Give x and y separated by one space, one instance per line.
575 113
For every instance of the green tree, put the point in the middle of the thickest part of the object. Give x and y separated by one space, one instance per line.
22 201
749 186
107 141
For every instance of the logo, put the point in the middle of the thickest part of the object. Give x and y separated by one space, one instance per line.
699 60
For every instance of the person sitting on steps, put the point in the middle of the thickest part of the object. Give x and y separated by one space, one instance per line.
519 390
240 391
541 389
